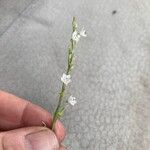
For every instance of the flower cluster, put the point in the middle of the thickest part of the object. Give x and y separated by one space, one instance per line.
66 77
76 35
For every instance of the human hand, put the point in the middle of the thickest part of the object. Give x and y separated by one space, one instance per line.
20 122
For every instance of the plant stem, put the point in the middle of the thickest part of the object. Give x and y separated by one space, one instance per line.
58 106
69 68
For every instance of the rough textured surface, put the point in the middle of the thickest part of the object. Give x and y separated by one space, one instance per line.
112 75
10 11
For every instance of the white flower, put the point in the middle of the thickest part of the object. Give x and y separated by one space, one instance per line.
75 36
66 78
83 32
72 100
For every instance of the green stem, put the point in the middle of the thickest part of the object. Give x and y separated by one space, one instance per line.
55 117
70 63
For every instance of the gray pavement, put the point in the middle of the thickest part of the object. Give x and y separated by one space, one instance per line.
111 79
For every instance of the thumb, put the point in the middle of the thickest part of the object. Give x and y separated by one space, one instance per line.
31 138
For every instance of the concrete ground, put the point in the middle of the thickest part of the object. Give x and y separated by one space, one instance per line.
111 80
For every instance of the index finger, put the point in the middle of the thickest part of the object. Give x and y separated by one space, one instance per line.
16 112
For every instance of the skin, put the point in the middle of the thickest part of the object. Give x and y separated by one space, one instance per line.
21 126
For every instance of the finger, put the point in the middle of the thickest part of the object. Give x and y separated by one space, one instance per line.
31 138
16 112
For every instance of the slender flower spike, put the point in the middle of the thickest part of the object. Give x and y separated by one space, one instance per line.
76 36
83 33
66 79
72 100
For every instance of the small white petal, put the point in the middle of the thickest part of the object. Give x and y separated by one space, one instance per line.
83 32
72 100
66 78
75 36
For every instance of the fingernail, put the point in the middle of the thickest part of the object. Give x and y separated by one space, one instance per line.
42 140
